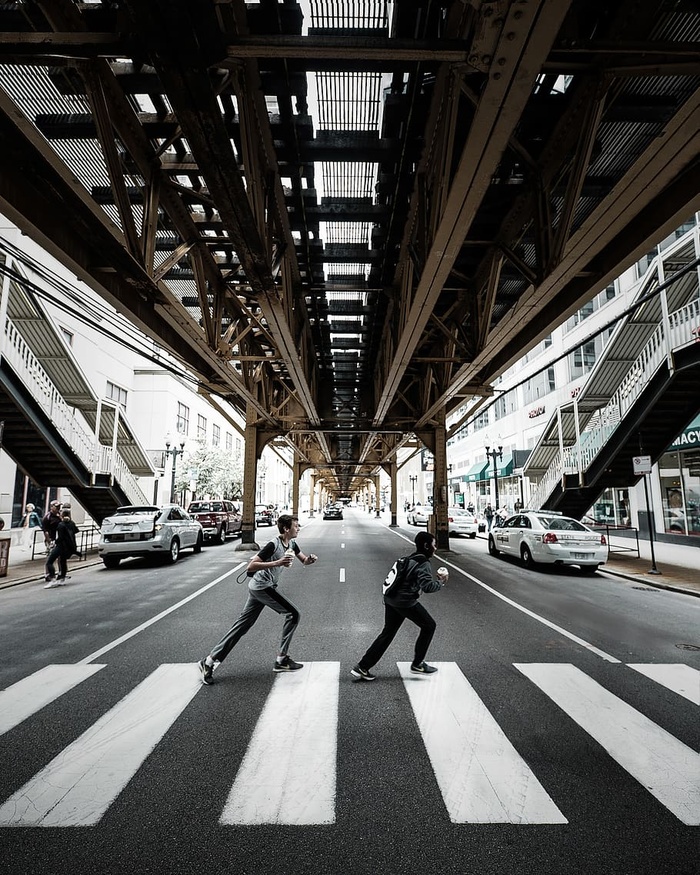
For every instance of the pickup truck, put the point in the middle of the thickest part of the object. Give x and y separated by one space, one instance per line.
219 519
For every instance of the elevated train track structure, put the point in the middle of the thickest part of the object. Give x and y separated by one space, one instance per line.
347 219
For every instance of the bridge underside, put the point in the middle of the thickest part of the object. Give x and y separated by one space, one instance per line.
348 224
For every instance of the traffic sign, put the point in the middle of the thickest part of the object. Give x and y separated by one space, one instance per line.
641 464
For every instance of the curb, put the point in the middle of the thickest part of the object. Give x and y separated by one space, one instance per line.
656 584
33 578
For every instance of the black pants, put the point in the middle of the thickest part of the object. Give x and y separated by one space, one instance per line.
393 618
56 553
257 600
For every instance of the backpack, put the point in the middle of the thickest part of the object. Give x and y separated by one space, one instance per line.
396 576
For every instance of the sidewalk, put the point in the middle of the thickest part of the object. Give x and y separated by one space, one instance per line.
23 569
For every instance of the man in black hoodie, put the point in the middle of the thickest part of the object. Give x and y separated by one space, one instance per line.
401 603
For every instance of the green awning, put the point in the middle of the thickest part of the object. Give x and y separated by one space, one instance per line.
477 472
506 467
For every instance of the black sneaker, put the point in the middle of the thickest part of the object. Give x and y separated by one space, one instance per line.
288 664
423 668
207 672
362 673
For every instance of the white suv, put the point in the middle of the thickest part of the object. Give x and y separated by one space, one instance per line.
147 530
545 536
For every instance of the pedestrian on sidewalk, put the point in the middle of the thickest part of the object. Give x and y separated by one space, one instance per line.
62 550
264 571
30 520
49 524
408 578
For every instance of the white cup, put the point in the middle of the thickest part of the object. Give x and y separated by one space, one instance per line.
443 573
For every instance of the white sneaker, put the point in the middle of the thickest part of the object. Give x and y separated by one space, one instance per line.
51 584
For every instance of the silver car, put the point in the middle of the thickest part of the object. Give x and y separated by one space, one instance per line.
461 522
147 530
547 537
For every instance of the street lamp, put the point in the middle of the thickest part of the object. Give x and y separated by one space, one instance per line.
495 454
174 453
413 478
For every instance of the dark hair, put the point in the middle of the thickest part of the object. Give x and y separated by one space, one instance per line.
423 540
284 521
66 515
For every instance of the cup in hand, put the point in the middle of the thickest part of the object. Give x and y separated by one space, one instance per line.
443 574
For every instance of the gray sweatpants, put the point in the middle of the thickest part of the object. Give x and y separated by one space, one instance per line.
257 600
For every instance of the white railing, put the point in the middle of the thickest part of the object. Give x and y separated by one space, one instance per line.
683 326
35 379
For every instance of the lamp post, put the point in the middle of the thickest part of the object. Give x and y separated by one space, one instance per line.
174 452
413 478
495 454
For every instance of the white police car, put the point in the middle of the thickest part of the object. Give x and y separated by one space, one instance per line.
544 536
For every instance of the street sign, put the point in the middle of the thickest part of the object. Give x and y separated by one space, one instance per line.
641 464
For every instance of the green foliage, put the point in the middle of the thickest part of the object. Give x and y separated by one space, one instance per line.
219 473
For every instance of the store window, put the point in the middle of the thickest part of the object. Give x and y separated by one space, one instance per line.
679 478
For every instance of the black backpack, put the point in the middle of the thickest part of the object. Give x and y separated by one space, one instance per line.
396 576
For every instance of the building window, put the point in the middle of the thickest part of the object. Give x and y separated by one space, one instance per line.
201 427
539 386
229 441
481 421
215 435
67 336
582 359
117 394
183 418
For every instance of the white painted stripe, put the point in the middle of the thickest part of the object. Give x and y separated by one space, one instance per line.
78 786
342 546
661 763
524 610
288 774
342 575
481 776
679 678
32 693
137 629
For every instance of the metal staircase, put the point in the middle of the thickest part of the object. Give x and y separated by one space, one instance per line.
655 398
46 438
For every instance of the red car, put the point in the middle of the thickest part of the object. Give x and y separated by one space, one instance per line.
219 519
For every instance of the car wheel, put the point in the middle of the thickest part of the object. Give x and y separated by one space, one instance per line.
221 535
198 546
110 561
174 550
493 550
472 535
526 556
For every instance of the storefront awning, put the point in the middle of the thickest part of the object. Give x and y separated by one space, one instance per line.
477 472
506 466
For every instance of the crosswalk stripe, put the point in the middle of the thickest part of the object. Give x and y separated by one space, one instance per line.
32 693
288 775
679 678
662 764
77 787
481 776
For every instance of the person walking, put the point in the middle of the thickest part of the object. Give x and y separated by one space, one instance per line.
30 520
64 547
49 524
488 516
401 603
264 572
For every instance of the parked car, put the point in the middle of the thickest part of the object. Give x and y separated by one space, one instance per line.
542 536
219 519
418 515
333 512
461 522
265 515
147 530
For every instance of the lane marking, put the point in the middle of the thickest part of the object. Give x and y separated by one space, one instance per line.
32 693
481 776
666 767
677 677
288 773
137 629
77 787
342 575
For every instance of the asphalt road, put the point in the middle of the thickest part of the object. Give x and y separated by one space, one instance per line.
536 748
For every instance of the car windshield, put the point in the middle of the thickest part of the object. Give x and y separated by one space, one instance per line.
562 524
205 507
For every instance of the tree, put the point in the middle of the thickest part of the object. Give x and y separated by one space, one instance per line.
217 472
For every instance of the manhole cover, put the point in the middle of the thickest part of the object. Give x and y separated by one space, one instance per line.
688 646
